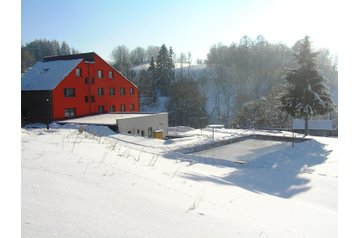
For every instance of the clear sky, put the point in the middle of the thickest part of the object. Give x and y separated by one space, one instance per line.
186 25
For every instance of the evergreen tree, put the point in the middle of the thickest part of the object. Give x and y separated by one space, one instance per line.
165 70
186 104
171 66
152 78
307 94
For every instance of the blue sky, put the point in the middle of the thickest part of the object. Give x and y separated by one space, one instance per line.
186 25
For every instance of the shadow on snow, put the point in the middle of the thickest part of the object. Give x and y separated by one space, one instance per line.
276 173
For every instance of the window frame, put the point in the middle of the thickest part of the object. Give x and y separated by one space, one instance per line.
112 108
69 92
101 109
78 72
100 74
100 91
70 112
122 91
112 91
123 108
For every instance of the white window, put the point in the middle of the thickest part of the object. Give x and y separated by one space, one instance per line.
70 112
100 74
100 109
100 91
122 91
110 74
131 90
123 107
112 108
78 73
69 92
131 107
112 91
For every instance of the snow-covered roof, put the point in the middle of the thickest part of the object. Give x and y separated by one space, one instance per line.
47 75
105 119
313 124
216 126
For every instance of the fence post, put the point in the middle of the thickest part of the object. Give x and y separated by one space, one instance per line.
293 139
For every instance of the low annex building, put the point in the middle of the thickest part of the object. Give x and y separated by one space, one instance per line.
137 124
70 86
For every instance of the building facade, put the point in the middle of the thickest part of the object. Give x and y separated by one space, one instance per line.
136 124
144 124
71 86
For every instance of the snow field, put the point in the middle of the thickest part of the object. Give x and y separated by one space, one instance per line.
76 184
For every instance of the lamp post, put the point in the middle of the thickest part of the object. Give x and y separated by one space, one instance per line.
48 114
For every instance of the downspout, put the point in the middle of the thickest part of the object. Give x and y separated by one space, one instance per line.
89 86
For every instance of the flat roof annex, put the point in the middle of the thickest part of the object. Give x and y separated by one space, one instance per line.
108 119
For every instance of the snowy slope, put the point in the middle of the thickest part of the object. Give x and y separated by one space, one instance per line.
78 184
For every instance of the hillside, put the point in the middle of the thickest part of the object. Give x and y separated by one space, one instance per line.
204 75
95 183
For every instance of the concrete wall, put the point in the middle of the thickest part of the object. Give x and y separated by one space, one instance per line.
140 126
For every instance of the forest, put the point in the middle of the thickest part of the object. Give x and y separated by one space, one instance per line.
238 85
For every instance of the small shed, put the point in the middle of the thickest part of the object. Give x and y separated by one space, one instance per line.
158 134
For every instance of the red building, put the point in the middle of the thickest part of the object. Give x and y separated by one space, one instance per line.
69 86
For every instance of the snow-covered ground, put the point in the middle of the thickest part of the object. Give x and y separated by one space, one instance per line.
94 183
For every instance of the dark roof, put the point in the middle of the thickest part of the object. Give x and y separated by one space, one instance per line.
86 56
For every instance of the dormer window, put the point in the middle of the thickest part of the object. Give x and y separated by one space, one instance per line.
44 70
78 73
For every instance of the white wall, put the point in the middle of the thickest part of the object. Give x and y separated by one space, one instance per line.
313 124
136 125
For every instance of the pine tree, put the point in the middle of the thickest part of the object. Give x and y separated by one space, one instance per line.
152 77
165 70
307 94
186 104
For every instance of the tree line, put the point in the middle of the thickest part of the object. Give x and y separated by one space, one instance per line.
241 84
248 78
35 50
